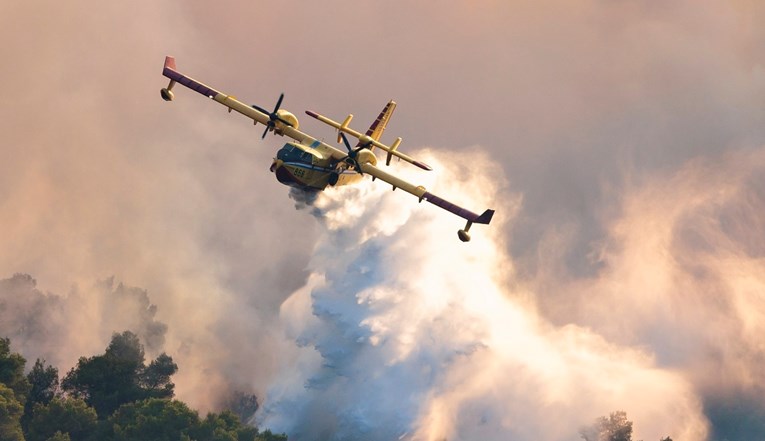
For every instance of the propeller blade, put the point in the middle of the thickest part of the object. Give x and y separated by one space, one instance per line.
345 141
351 158
284 121
278 103
260 109
272 116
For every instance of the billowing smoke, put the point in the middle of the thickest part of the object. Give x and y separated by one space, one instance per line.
683 274
409 334
631 221
61 328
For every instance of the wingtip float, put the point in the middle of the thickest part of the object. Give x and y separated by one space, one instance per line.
310 164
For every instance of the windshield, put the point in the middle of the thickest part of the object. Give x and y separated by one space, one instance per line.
290 153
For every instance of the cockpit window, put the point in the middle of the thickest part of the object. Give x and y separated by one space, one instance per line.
293 154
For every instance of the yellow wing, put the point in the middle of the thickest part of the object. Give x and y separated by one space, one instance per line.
422 193
282 122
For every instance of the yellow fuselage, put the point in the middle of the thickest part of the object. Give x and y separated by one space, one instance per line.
308 168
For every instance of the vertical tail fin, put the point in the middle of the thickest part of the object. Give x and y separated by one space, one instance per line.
378 126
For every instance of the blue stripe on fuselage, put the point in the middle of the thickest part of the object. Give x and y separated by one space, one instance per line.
305 166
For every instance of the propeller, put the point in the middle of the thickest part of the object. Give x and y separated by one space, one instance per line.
272 116
351 158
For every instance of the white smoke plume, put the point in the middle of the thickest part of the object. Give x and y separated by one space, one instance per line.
409 334
683 273
42 325
593 109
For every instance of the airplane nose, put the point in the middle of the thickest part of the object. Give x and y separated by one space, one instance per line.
276 164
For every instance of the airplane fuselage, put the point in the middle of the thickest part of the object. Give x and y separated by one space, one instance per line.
308 168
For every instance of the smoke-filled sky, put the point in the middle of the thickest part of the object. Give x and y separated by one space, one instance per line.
622 144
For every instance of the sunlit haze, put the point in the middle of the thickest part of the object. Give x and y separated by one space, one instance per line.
621 143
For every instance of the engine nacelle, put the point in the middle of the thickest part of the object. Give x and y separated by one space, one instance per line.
365 156
279 126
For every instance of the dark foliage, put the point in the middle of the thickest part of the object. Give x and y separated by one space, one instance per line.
155 419
243 404
614 428
12 371
43 383
110 397
70 416
10 415
119 376
224 426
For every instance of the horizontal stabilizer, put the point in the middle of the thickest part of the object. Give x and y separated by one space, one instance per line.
368 141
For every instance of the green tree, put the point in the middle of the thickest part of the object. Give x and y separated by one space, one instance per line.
103 382
268 436
43 383
170 420
225 426
155 379
10 415
71 416
155 419
12 371
614 428
243 404
119 376
58 436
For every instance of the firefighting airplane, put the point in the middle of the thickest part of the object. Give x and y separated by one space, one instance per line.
311 164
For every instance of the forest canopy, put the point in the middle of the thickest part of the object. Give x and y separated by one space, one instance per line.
111 396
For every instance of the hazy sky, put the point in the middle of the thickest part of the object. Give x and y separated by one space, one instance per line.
624 141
